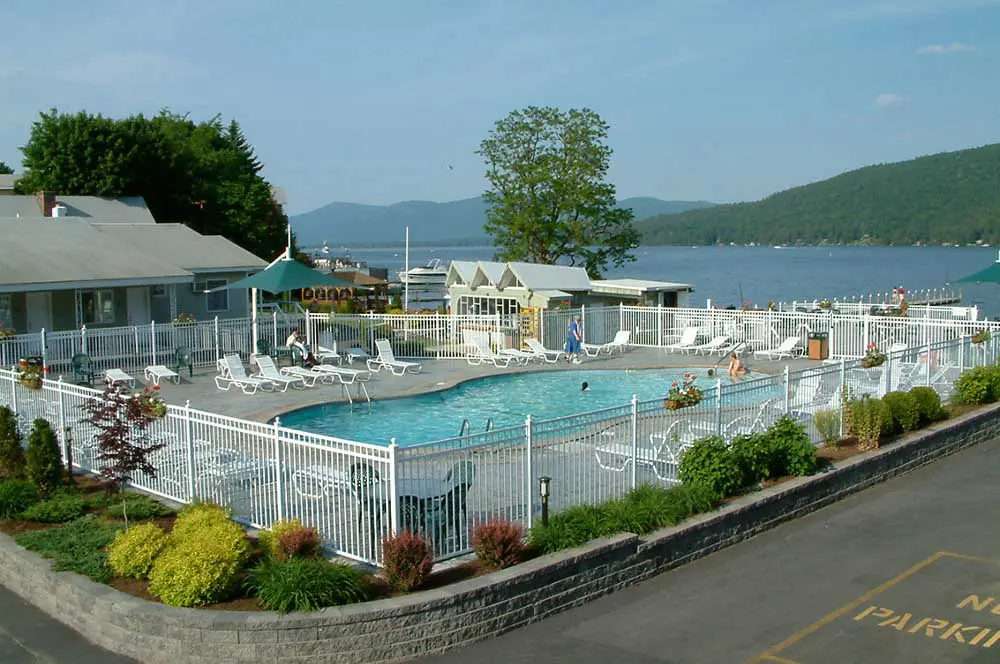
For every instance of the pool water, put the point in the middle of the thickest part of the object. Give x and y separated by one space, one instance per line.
506 399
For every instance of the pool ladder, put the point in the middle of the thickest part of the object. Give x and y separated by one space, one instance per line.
362 392
466 430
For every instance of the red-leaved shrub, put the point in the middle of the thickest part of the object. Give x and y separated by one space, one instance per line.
298 543
407 561
498 544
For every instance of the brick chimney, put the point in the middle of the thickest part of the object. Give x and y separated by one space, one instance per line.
46 201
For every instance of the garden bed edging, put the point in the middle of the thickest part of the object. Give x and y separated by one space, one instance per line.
431 621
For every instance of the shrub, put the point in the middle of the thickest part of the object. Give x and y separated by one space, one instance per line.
928 404
44 462
306 585
201 565
290 539
77 546
498 544
827 426
871 420
978 386
15 497
60 508
711 465
904 410
136 506
572 527
197 516
794 453
407 561
756 458
12 462
133 551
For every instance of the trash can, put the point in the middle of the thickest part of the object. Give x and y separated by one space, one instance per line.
819 346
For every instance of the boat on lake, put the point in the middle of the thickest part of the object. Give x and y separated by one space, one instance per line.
431 274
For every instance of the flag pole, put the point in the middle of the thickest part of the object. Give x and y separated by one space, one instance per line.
406 274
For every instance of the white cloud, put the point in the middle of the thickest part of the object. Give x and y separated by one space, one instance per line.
889 100
945 49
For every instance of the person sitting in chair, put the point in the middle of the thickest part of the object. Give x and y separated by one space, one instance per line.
296 342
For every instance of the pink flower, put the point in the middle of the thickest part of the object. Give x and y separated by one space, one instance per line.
674 384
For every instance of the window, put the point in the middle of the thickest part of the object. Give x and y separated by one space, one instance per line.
216 301
97 307
158 291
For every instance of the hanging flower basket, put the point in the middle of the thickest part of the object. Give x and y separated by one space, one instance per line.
152 405
34 383
184 320
683 394
981 337
825 304
873 357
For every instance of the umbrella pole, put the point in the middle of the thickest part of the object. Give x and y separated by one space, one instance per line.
253 320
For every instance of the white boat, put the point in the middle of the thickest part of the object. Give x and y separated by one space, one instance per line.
432 274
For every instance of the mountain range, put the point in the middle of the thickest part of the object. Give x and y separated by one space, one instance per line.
453 222
945 198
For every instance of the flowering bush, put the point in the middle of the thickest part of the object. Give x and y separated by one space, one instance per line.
184 319
151 403
873 357
684 393
7 331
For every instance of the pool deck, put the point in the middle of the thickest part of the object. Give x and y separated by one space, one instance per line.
435 375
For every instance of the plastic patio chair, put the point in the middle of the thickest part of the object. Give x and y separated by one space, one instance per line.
83 369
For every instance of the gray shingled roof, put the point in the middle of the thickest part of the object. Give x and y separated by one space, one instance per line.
19 206
537 277
184 247
127 209
7 180
48 254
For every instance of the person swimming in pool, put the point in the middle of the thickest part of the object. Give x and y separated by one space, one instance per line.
736 367
585 387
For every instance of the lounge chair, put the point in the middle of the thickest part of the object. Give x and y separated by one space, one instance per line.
688 340
482 353
232 372
718 344
517 355
83 370
543 353
387 360
308 376
118 377
267 370
156 372
788 348
661 455
343 374
620 342
324 353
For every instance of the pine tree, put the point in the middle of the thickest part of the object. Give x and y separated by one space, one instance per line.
44 462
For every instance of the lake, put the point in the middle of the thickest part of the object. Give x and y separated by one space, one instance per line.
767 273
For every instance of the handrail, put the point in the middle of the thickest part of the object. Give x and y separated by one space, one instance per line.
466 429
489 424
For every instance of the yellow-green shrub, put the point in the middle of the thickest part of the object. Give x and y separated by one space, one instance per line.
200 566
196 516
133 551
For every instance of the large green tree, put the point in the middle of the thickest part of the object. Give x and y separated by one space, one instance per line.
203 174
549 200
5 169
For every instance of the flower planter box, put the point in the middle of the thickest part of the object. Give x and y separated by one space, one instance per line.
871 364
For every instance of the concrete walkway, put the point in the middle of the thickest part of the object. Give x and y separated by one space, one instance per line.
29 636
860 581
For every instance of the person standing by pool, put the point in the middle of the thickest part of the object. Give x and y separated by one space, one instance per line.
573 340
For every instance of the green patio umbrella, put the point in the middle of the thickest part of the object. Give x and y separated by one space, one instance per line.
990 274
282 275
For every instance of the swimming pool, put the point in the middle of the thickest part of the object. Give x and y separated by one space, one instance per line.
507 399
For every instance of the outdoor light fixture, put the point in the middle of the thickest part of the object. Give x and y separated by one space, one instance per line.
543 491
68 440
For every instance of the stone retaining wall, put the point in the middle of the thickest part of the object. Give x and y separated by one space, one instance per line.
436 620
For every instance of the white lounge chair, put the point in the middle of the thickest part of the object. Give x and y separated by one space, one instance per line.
307 376
543 353
267 370
232 372
661 454
688 340
718 344
118 377
387 360
620 342
324 353
343 374
481 353
788 348
156 372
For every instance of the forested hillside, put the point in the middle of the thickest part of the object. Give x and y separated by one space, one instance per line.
952 197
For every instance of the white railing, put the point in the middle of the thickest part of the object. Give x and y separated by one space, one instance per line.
356 493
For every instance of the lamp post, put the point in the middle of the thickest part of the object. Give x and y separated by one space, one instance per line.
543 491
68 439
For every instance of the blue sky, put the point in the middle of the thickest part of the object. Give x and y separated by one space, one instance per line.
372 102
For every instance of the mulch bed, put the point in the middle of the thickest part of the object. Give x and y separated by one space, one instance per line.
843 449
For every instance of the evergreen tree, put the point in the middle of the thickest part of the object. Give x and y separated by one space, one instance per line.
11 446
45 469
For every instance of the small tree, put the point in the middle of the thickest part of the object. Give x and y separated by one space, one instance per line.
123 443
44 462
11 446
